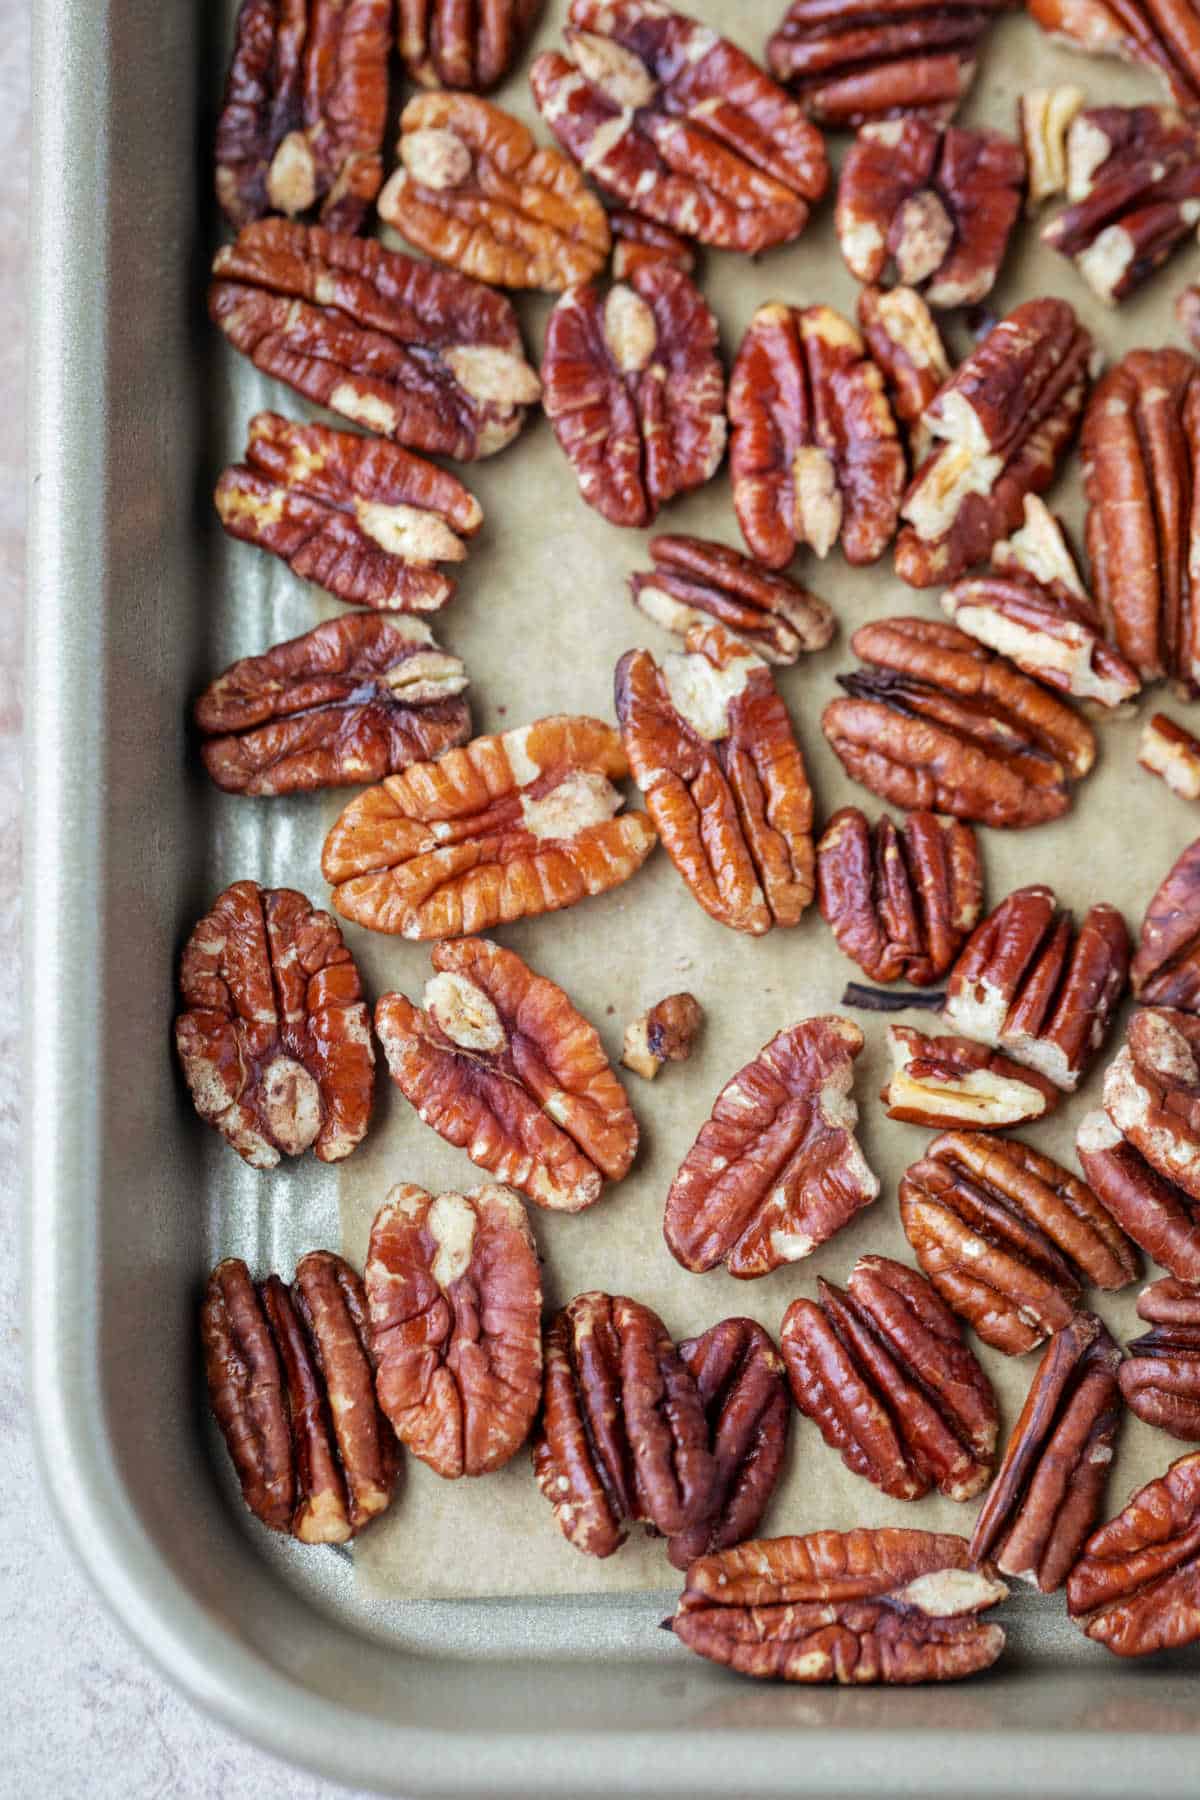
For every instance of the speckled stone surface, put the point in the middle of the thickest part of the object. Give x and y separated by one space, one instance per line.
82 1712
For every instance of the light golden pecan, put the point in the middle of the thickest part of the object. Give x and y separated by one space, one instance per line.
1044 116
906 345
940 1081
1152 1093
695 580
474 190
1136 1588
463 43
1165 748
510 826
501 1064
1166 964
1156 1214
1160 1381
667 1033
888 1606
637 240
1164 35
711 745
776 1169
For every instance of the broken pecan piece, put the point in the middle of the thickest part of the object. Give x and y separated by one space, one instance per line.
695 579
1050 1486
1166 965
775 1170
636 240
1187 311
413 352
463 43
275 1038
935 203
742 1387
1140 445
1031 985
942 724
634 389
505 828
888 1606
882 1369
1004 421
455 1305
940 1081
711 745
290 1381
1155 1213
501 1064
1045 115
814 452
1136 1588
623 1439
680 125
474 190
667 1033
303 115
1152 1093
1164 35
1161 1380
899 900
353 700
1008 1236
1166 749
903 339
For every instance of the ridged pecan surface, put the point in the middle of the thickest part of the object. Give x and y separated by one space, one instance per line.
1136 1588
899 900
463 43
695 579
1163 35
1160 1380
1166 964
1155 1213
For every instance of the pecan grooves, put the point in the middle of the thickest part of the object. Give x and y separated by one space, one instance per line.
637 240
1156 1214
1160 1381
695 580
463 43
1045 116
1166 965
1136 1588
1164 35
904 342
1152 1094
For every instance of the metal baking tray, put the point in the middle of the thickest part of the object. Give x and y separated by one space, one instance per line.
132 604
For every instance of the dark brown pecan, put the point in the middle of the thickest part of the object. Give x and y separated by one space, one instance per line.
935 203
1133 183
353 700
463 43
290 1381
1161 1379
775 1170
1031 985
888 1606
275 1038
882 1369
455 1304
413 352
636 240
1004 421
667 1033
740 1377
1136 1588
1140 444
1152 1093
903 339
1166 749
947 1080
1045 116
695 579
876 59
1166 966
1156 1214
899 900
1164 35
710 743
938 722
634 389
622 1439
814 453
680 125
501 1064
302 121
1050 1486
1008 1237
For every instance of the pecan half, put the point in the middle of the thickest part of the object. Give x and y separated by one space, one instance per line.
888 1606
1166 965
882 1369
508 827
1045 115
1152 1093
711 745
1133 183
455 1305
899 899
1156 1214
1004 421
740 1378
501 1064
1161 1380
667 1033
1166 749
634 389
814 452
1140 444
904 341
1187 312
636 240
695 580
366 520
474 190
303 115
875 59
623 1438
776 1169
290 1381
1136 1588
1164 35
680 125
1031 985
463 43
353 700
1050 1486
946 1080
412 352
1008 1236
940 723
274 1038
935 203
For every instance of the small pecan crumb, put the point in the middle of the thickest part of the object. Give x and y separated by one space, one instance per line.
1045 116
667 1033
1168 750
